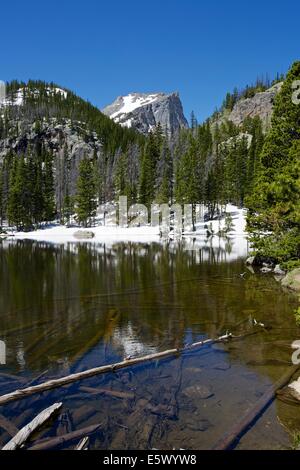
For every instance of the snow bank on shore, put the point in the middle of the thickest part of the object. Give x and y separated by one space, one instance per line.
61 234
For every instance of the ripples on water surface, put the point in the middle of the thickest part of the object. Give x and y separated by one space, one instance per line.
66 308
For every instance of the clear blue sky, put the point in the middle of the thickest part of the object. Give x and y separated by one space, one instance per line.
103 49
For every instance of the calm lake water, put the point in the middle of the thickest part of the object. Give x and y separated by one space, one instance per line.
66 308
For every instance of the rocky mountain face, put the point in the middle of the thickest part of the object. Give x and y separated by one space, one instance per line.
260 105
38 115
145 111
69 142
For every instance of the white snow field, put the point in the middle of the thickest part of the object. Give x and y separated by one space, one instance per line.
234 245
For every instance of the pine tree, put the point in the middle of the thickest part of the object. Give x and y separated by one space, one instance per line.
149 162
19 197
165 190
86 203
68 208
274 212
194 122
48 188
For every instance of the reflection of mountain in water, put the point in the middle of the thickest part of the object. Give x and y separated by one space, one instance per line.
127 339
58 303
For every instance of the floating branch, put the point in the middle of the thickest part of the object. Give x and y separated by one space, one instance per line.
51 443
26 432
83 444
56 383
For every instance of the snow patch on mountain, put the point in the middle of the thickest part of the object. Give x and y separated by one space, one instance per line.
17 98
127 104
144 111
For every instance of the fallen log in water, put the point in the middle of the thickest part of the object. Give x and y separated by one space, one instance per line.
50 443
26 432
37 378
83 444
8 426
105 391
56 383
10 377
241 427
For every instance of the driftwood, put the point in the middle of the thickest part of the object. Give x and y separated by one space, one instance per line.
105 391
82 414
56 383
8 426
50 443
240 428
38 377
287 397
26 432
83 444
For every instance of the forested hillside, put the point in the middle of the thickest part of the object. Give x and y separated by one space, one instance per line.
45 131
60 155
274 205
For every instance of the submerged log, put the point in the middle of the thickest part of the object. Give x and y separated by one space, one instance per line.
26 432
8 426
252 415
83 444
10 377
37 378
50 443
55 383
105 391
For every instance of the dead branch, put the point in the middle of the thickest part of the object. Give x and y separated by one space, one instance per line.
26 432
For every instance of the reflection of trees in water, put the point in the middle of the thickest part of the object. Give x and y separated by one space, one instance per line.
61 301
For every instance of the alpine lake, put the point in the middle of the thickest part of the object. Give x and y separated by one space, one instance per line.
69 307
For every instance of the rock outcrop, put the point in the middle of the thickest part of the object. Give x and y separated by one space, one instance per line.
260 105
292 280
61 137
83 235
144 111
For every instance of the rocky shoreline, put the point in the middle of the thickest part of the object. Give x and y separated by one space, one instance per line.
266 265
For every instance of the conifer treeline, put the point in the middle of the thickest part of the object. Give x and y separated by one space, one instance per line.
43 101
209 163
27 189
274 205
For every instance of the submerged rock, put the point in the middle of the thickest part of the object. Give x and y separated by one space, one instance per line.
198 391
201 425
260 261
266 270
292 280
295 388
278 271
250 260
83 234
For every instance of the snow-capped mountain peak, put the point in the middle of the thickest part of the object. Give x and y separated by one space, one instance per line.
144 111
